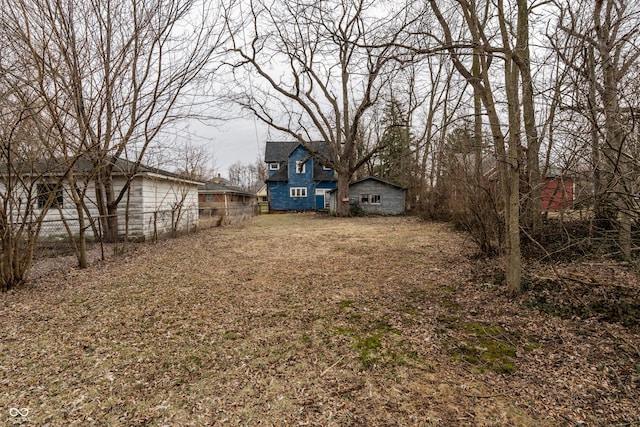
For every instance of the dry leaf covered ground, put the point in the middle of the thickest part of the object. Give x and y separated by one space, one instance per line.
305 320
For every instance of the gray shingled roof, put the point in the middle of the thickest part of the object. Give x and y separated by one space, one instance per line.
56 167
278 151
372 178
319 174
281 176
218 186
375 178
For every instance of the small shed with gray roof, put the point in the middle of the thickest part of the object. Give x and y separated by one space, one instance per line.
374 196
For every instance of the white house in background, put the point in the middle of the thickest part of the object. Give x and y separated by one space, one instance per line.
157 202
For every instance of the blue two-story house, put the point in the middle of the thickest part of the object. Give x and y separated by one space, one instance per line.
297 181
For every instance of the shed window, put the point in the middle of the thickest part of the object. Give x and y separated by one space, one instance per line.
298 192
274 166
364 199
375 199
44 191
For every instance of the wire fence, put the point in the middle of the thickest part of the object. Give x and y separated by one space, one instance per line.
60 236
215 217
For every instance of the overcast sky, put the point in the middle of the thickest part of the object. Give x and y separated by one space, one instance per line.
239 140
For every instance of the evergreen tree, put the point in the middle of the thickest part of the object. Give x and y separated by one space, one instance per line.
395 158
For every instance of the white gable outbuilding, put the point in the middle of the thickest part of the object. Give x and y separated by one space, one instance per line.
157 202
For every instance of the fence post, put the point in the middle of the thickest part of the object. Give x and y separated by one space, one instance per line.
155 226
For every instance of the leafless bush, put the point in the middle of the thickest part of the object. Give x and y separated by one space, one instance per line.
476 211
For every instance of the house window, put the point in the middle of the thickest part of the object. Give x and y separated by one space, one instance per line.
326 168
274 166
298 192
364 199
375 199
300 167
44 191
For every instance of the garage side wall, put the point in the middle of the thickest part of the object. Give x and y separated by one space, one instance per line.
392 199
168 206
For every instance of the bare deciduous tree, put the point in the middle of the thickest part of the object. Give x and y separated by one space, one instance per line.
313 70
600 49
120 69
249 177
27 190
187 159
489 36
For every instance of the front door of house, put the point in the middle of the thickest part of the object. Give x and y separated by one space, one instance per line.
322 198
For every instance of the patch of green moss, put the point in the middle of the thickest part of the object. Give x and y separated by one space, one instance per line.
409 309
346 303
231 335
305 339
368 339
488 354
499 356
355 317
383 325
194 360
368 347
532 344
485 349
417 293
347 332
480 330
403 352
447 303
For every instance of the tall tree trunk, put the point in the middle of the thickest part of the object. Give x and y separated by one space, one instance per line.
79 205
507 162
477 122
107 207
534 201
342 195
511 197
598 204
511 188
614 133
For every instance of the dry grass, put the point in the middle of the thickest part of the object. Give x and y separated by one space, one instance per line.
303 320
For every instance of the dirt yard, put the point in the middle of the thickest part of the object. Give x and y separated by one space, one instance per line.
294 320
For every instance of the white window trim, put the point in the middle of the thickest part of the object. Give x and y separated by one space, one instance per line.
274 166
326 168
296 192
299 169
